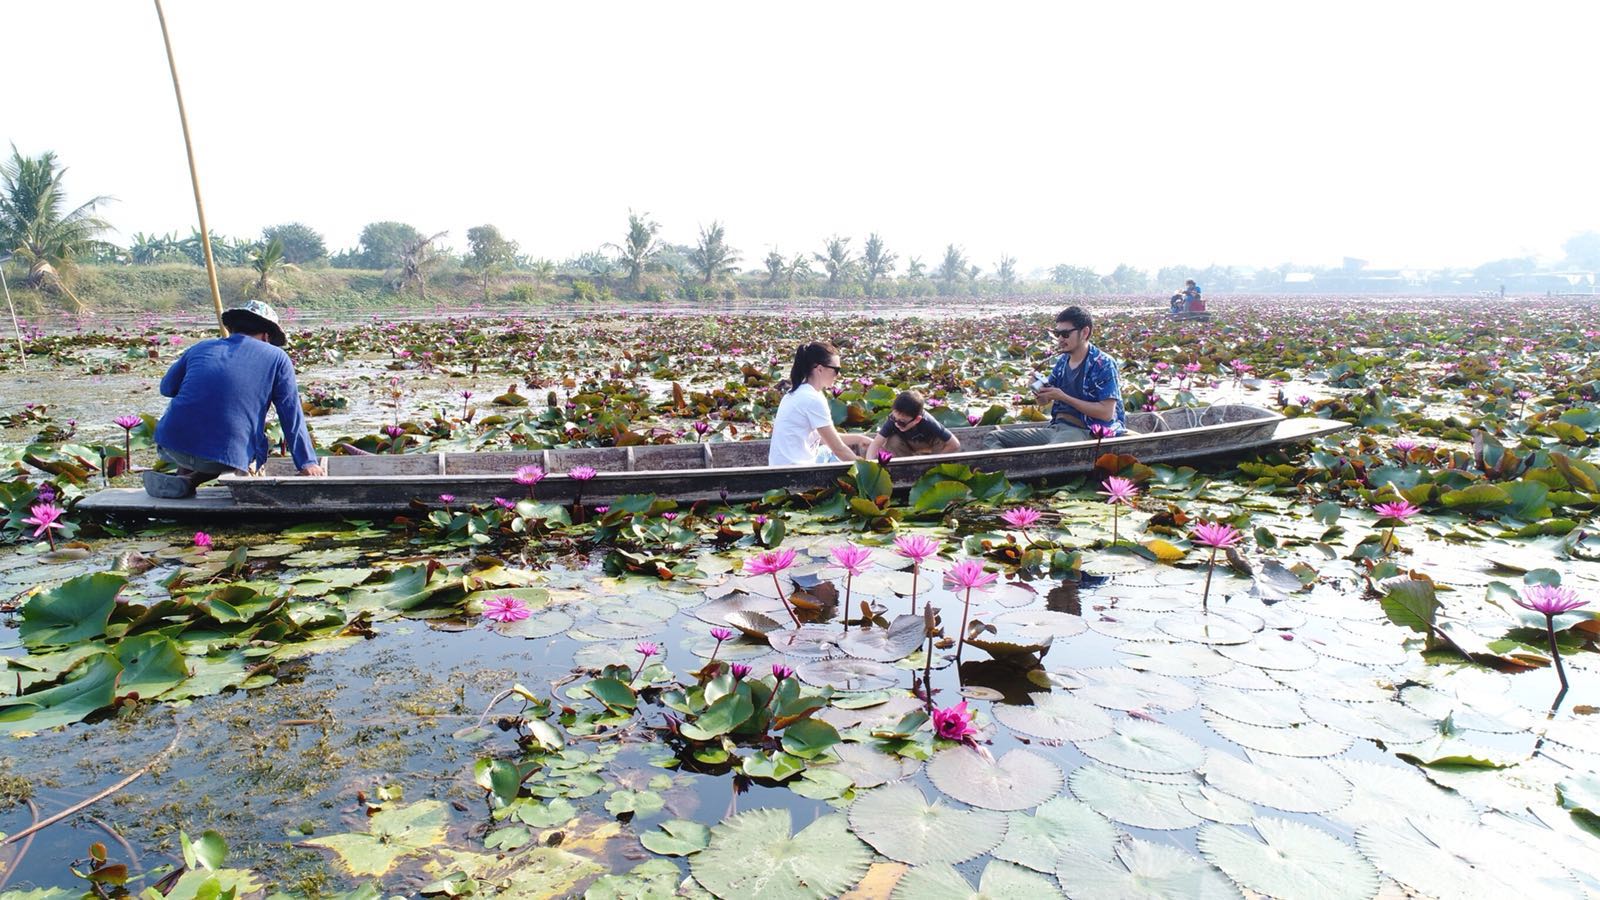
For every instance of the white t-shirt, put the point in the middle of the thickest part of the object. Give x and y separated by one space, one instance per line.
795 441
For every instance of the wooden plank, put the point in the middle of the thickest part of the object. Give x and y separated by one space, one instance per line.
628 466
705 453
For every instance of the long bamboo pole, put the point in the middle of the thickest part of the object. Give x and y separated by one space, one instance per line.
22 353
194 174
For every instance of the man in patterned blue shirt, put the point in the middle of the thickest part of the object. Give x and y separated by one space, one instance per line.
1083 390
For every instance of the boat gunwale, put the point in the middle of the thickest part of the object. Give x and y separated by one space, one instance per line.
1002 453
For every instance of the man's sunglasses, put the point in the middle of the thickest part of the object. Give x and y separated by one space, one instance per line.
903 424
1065 333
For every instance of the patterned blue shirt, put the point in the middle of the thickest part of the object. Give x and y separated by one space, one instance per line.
1095 380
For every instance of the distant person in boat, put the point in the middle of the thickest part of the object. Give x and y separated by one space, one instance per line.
1188 299
910 431
220 390
1083 389
803 432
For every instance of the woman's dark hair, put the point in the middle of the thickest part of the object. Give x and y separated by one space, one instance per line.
806 359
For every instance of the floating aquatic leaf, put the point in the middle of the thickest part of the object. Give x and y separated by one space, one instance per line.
753 624
392 833
1483 709
999 879
74 611
1437 858
1269 651
1142 871
92 687
1280 782
1308 739
1176 660
868 767
1144 747
1217 806
1018 780
752 855
677 837
151 665
899 823
1206 628
1056 717
1132 690
1267 709
1390 722
1132 801
848 674
1288 859
904 635
1037 624
1389 791
1059 826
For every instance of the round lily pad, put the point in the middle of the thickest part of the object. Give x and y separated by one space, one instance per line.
1245 678
903 636
1055 717
845 674
1204 628
999 879
677 837
1145 747
1438 858
1309 739
805 642
754 624
1335 680
1142 870
1289 859
868 767
752 855
1127 689
1036 624
1271 651
1477 710
739 649
1020 779
1363 650
1281 782
1132 801
611 631
1218 806
899 823
1125 625
1267 709
1059 826
1392 791
1175 660
541 624
1392 723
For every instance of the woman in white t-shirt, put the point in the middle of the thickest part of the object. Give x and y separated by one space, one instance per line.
803 432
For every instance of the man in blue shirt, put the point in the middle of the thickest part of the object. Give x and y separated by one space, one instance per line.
1083 390
220 389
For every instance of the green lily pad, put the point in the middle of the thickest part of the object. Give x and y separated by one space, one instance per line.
151 665
899 823
1142 870
1145 747
1266 709
1308 739
751 856
641 803
1135 802
904 635
999 879
868 767
1437 858
92 688
1059 826
1391 723
677 837
392 833
1281 782
1128 689
1020 779
76 610
1176 660
1056 717
1289 859
848 674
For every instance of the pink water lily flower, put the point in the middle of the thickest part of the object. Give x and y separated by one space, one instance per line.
202 540
1119 490
1401 510
954 723
915 547
581 473
771 563
1022 517
47 516
1551 600
852 558
1217 536
969 574
528 475
506 608
127 423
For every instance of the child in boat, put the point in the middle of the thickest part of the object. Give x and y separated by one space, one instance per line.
220 390
803 432
909 431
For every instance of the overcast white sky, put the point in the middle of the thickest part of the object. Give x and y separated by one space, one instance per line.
1413 133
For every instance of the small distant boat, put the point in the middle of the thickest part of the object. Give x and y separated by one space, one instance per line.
386 485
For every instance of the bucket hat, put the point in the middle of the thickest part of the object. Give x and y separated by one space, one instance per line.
255 317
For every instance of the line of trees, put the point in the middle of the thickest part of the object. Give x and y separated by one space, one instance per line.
46 239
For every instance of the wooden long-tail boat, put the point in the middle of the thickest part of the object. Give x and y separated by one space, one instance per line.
379 485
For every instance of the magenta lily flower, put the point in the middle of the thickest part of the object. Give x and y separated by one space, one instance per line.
528 476
1550 601
853 559
954 723
1217 536
969 575
202 540
781 671
47 518
721 635
127 424
1022 518
1397 512
771 563
1119 492
505 609
916 548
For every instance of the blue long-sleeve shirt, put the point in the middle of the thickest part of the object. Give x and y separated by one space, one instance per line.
220 389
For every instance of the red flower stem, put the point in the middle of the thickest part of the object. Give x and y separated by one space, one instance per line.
916 566
961 637
785 600
1211 564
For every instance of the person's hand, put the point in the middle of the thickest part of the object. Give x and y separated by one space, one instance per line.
1049 394
313 470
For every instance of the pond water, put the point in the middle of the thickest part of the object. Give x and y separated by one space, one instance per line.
338 710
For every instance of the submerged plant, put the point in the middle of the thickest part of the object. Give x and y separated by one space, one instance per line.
1119 492
1396 513
771 563
967 574
1551 600
916 548
1217 536
853 558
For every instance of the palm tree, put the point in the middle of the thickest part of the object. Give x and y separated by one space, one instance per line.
639 251
269 263
1006 272
952 269
543 270
775 268
837 262
711 256
35 226
416 258
877 262
915 269
799 271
